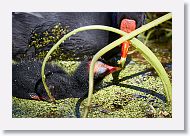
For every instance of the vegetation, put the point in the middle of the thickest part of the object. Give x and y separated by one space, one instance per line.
137 94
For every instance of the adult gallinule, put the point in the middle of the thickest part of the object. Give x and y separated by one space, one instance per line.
127 22
27 82
35 33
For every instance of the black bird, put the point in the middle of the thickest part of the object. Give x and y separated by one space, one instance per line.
27 82
33 34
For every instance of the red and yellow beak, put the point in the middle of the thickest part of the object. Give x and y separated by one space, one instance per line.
112 69
102 69
128 26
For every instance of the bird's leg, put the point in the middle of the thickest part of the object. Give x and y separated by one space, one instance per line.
115 76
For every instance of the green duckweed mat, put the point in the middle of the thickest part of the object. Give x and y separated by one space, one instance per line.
138 93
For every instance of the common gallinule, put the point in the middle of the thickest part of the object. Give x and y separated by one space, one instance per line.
27 82
33 34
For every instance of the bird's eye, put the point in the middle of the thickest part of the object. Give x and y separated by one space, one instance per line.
101 70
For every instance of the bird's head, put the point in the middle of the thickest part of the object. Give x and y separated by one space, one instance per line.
101 69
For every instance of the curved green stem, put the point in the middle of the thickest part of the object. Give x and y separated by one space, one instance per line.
154 61
92 27
148 35
102 51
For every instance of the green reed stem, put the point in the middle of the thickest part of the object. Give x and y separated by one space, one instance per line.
104 50
141 47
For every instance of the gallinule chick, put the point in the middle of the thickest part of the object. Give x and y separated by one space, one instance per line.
27 82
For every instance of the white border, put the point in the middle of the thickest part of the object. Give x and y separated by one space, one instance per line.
174 123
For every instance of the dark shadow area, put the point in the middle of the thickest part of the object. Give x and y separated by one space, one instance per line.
166 65
117 82
144 90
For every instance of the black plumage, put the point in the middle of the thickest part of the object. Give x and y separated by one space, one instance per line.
36 32
27 82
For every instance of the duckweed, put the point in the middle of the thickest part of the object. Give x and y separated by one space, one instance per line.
137 94
46 39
